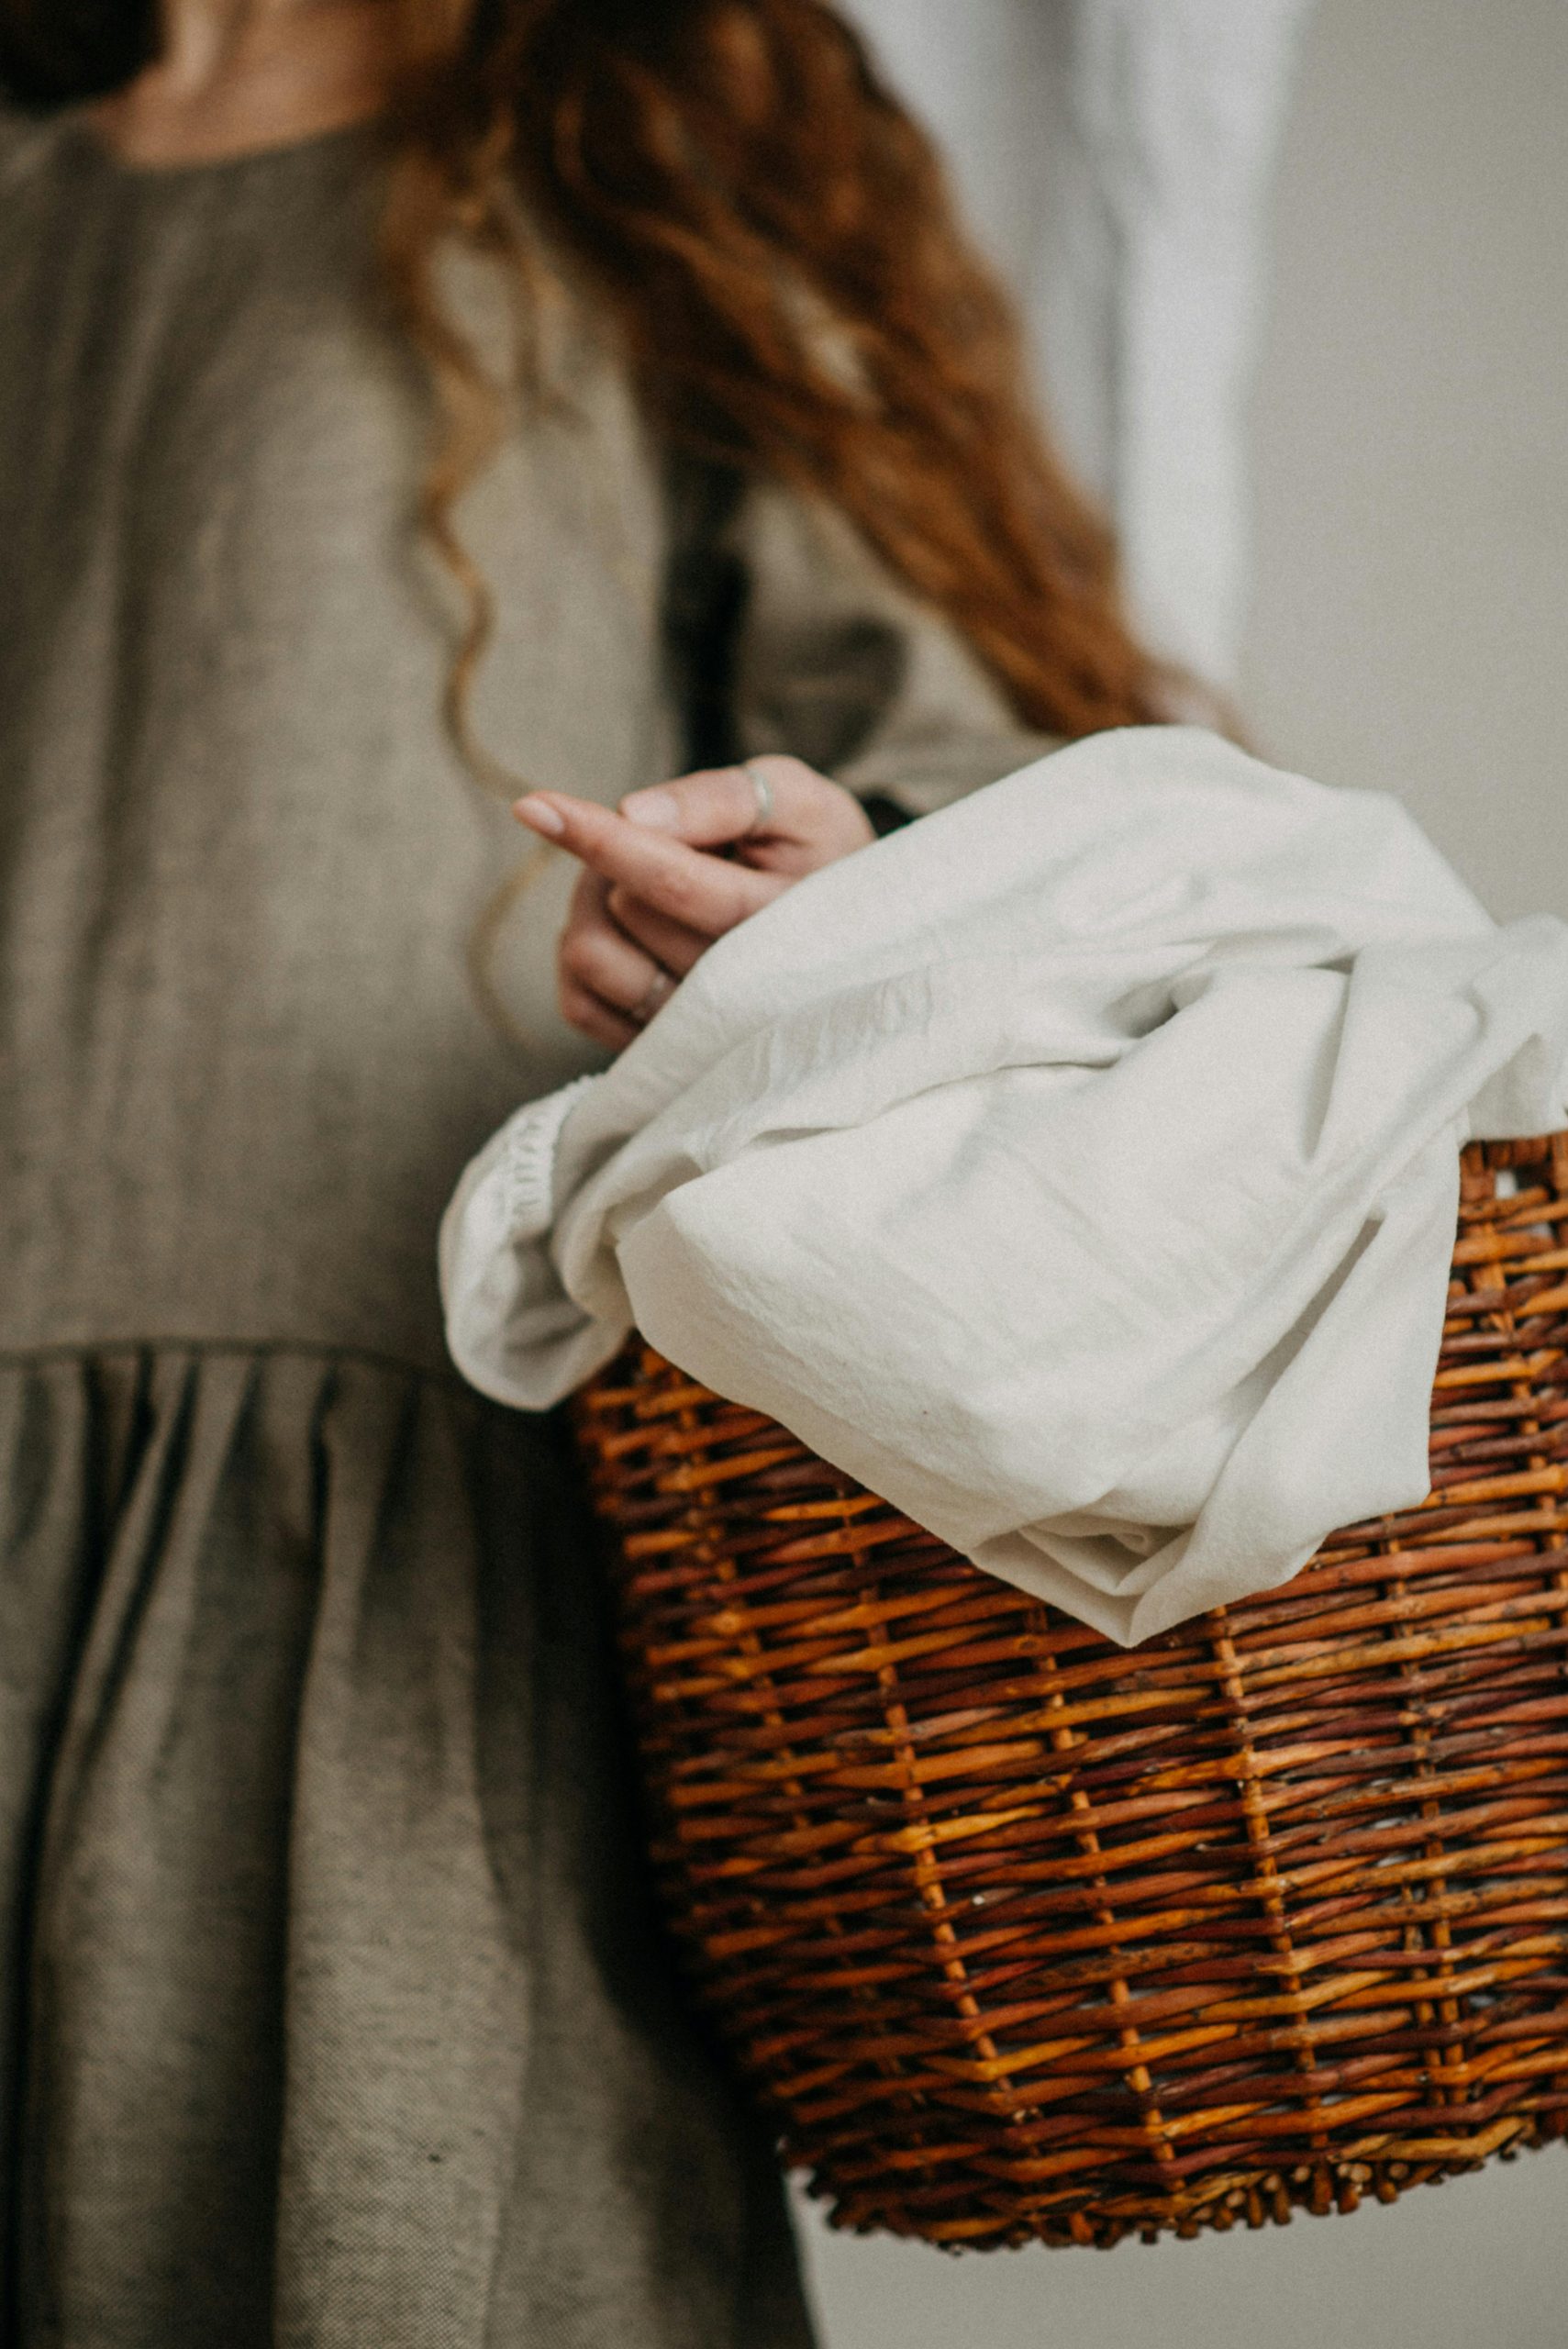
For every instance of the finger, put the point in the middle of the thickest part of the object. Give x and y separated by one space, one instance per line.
583 1011
597 955
709 894
773 813
721 804
670 942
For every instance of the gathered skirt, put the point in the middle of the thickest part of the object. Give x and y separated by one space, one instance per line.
335 2013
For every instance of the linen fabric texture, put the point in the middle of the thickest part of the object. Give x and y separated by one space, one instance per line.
332 2013
333 2007
1077 1169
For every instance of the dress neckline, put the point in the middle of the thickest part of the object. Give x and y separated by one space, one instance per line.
348 138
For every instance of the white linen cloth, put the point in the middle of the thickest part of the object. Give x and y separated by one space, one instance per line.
1077 1168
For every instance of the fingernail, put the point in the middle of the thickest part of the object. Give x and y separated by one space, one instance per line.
653 808
538 812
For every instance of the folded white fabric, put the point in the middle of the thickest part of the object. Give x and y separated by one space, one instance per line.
1077 1168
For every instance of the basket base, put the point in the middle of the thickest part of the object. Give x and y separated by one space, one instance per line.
1336 2187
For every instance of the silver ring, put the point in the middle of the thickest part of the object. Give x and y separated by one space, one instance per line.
764 792
660 987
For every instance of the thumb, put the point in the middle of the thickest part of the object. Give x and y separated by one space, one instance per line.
768 798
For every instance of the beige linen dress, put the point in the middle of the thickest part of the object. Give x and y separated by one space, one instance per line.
331 2014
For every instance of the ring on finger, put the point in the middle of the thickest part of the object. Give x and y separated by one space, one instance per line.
764 793
660 987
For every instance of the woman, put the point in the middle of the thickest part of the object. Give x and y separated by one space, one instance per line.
399 403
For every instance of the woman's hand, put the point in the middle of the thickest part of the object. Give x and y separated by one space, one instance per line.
673 869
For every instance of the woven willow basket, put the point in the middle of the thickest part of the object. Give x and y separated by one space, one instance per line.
1022 1935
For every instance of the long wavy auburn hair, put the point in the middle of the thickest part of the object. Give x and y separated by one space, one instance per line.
775 239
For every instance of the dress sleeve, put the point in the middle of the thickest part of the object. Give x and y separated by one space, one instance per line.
791 635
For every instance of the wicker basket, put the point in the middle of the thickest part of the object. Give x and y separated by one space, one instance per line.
1021 1935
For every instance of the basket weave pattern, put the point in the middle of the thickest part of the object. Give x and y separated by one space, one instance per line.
1021 1935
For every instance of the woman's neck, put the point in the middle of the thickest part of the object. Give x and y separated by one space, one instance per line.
238 76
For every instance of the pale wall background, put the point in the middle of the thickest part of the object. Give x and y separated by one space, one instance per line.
1409 632
1410 625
